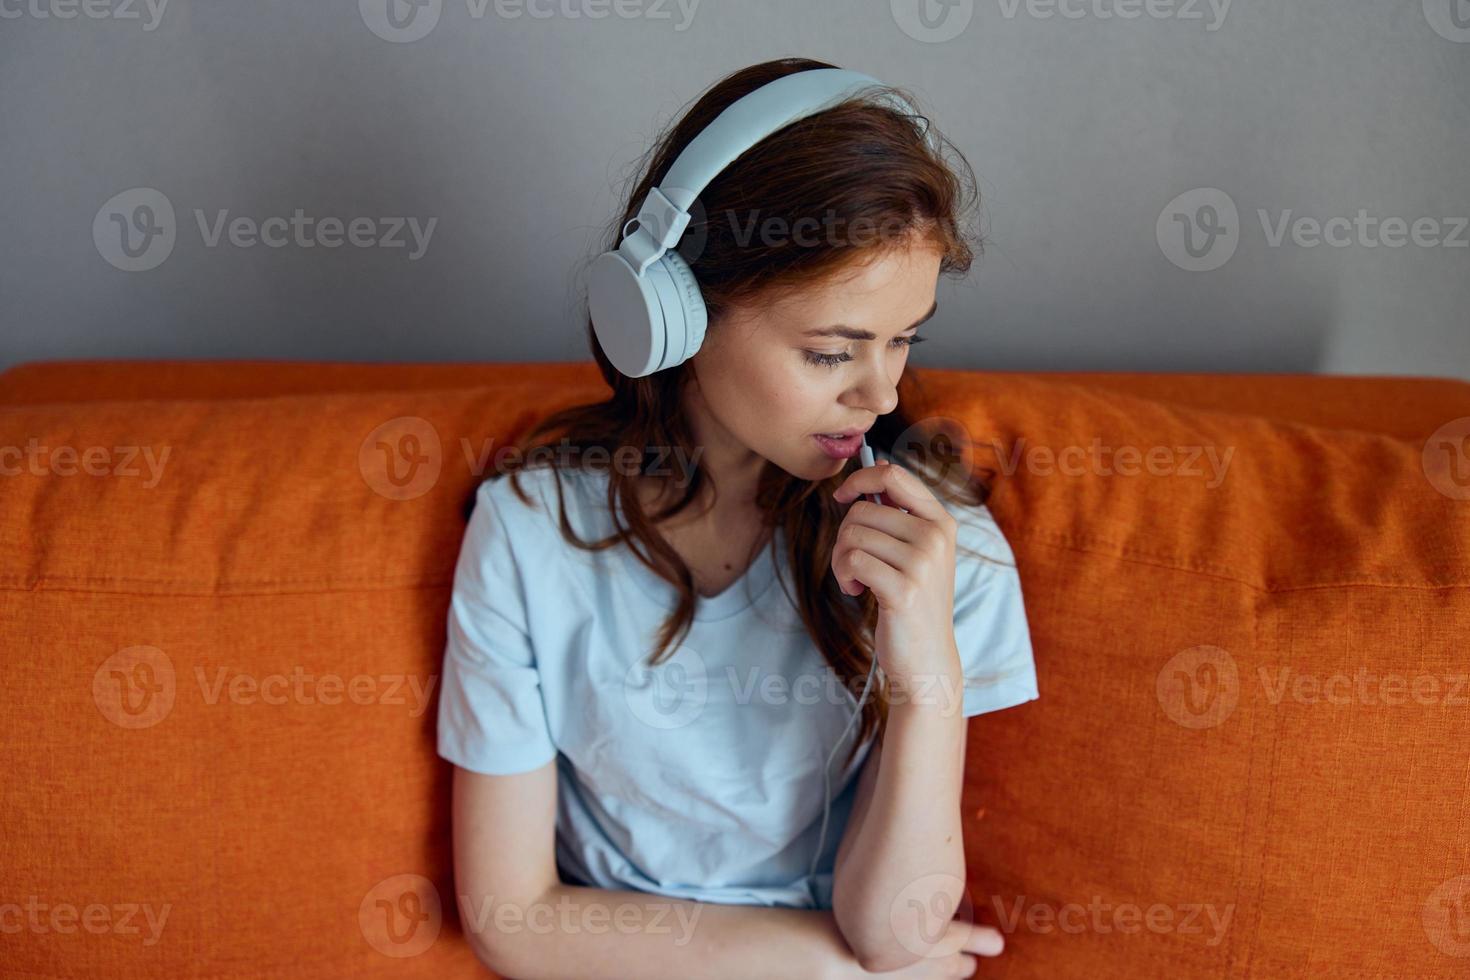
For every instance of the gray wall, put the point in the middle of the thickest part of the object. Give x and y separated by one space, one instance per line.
513 135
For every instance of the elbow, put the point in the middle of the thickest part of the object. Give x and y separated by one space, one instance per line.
903 936
494 959
886 959
503 957
876 947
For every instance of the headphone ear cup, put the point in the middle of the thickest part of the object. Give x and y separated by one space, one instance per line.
627 315
684 311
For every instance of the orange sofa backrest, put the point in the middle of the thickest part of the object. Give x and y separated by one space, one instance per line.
224 610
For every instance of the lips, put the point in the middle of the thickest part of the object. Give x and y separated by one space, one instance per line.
845 448
845 433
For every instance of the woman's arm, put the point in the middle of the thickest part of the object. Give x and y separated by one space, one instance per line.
522 921
583 933
899 883
901 862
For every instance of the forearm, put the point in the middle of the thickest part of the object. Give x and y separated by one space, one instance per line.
907 857
593 933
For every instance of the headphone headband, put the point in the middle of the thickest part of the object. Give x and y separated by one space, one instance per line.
645 304
664 213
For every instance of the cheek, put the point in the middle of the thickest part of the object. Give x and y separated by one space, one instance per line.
796 395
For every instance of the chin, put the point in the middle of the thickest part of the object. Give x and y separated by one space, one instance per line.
825 467
813 469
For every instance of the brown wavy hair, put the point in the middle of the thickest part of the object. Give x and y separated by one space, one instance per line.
859 161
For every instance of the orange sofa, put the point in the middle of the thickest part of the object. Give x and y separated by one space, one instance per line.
223 616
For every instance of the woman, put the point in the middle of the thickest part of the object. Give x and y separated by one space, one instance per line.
633 708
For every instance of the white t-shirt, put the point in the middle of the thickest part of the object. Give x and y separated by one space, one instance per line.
699 778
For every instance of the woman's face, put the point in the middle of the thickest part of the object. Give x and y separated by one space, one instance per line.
768 382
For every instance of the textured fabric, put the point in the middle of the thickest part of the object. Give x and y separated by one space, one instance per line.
282 837
700 778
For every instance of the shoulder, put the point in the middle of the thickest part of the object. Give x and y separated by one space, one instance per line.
543 491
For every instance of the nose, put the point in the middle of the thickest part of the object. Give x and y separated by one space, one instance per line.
874 391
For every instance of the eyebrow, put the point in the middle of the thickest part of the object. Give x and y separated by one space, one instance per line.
852 333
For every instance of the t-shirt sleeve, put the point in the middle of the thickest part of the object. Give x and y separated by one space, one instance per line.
990 628
492 718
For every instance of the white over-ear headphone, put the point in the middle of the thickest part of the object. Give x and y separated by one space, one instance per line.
645 304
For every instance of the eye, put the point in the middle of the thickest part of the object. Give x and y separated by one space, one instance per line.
832 360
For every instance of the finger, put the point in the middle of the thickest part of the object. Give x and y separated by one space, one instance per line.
867 569
985 941
884 500
898 486
880 544
954 965
890 520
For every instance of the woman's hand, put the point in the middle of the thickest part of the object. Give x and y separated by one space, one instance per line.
957 952
908 560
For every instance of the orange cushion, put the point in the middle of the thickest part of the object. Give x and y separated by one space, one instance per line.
264 552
